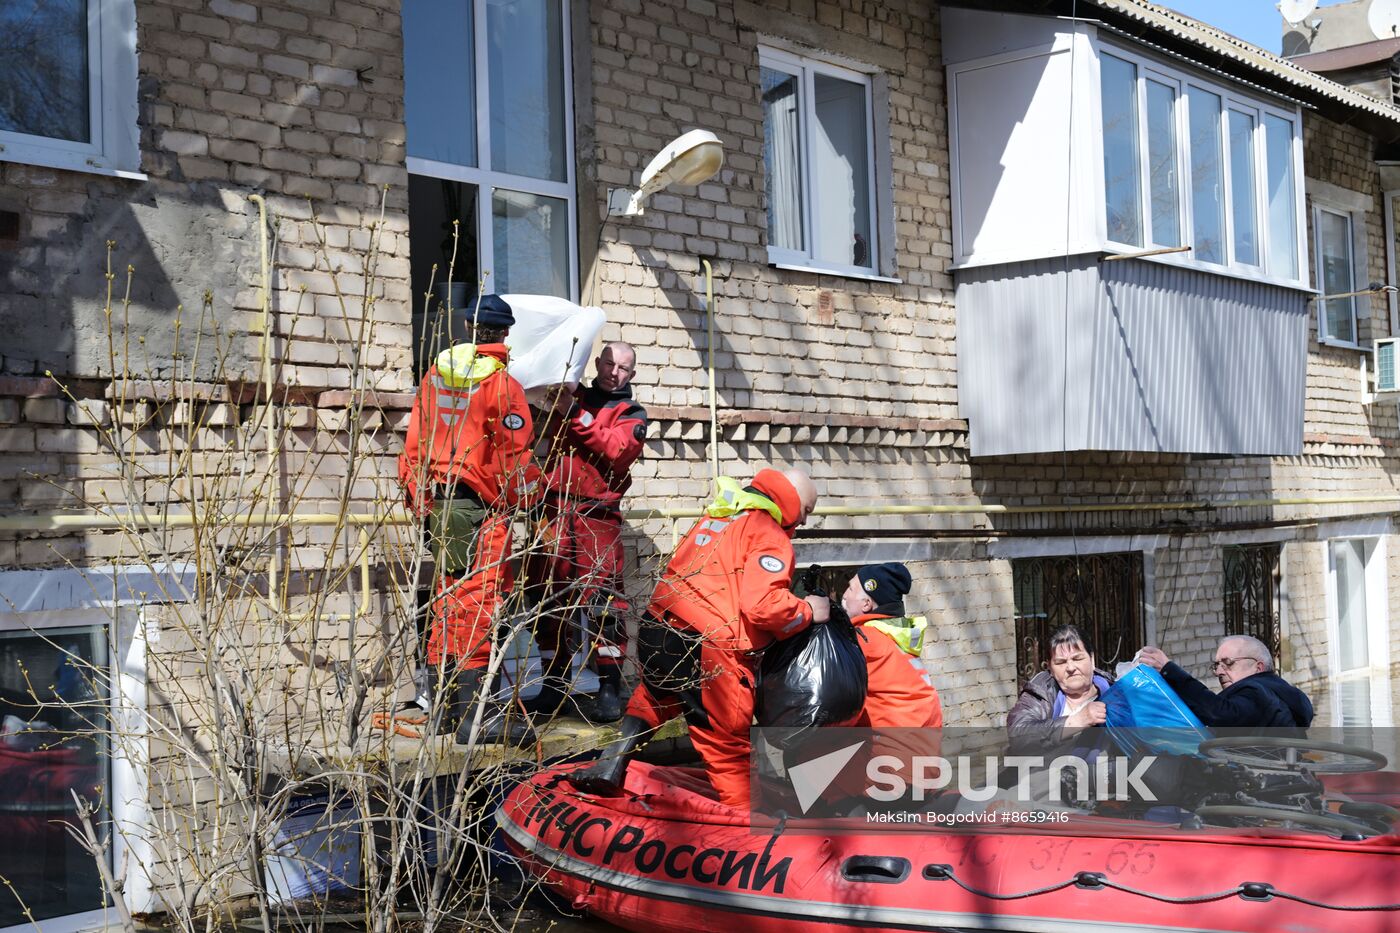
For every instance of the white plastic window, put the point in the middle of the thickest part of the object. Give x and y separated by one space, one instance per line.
489 113
68 85
1194 163
1336 274
819 164
1360 652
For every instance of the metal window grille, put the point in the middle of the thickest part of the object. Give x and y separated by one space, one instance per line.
1099 593
1251 593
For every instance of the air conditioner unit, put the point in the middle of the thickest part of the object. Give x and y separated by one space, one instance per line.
1383 364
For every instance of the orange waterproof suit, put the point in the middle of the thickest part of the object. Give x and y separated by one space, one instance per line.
900 692
585 475
900 702
728 587
469 436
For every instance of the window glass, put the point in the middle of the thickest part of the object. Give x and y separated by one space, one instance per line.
1120 150
1164 189
53 714
1207 176
841 161
1242 209
818 161
439 76
526 68
1350 558
1282 209
1251 593
782 160
1353 650
433 205
531 240
44 68
1102 594
1337 271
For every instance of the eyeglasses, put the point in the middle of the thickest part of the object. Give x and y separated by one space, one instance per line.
1224 663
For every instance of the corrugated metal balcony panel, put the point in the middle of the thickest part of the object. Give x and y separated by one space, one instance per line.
1129 355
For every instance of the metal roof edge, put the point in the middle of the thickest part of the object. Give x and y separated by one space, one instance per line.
1248 56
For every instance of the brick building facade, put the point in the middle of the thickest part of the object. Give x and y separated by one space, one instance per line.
849 368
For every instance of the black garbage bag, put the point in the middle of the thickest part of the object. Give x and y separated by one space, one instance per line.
816 678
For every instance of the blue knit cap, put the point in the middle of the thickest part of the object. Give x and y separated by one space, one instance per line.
886 584
491 311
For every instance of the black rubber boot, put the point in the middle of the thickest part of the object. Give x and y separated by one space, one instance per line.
605 776
447 699
496 725
553 698
607 705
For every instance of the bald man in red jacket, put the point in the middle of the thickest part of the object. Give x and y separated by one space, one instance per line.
725 595
586 473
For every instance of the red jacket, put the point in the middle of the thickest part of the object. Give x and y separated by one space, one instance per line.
470 423
731 579
899 693
597 446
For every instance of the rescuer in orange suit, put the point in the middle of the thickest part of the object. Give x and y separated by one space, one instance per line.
725 595
900 692
586 472
901 706
465 466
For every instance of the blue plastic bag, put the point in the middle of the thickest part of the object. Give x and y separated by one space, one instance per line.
1146 716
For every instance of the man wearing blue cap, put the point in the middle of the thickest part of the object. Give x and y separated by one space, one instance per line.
899 692
466 466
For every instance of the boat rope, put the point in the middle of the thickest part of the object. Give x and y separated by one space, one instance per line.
1092 880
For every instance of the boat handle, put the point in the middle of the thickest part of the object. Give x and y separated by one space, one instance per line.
875 869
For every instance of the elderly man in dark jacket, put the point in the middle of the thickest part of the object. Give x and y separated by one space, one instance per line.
1251 694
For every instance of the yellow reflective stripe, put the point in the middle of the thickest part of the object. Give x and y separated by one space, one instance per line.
461 367
733 498
908 632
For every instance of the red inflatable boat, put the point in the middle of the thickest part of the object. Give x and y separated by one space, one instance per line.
666 856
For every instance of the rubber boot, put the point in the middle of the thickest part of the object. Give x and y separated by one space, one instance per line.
447 697
607 705
605 777
496 726
553 698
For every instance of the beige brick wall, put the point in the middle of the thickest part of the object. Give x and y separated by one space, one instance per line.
277 96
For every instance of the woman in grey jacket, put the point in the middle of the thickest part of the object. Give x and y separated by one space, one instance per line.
1057 704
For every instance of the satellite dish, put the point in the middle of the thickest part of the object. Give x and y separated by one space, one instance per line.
1295 11
1384 19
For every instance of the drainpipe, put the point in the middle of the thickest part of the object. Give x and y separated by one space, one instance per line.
274 571
1392 300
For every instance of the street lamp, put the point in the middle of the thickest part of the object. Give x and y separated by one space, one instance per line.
690 159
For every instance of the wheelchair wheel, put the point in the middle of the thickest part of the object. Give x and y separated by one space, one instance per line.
1272 752
1279 816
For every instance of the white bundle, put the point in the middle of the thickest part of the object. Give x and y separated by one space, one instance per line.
550 343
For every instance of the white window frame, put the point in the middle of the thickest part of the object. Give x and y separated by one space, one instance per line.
127 787
113 146
1377 670
1360 304
1230 98
807 68
487 182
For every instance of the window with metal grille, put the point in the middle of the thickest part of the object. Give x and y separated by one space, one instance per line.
1251 593
1100 593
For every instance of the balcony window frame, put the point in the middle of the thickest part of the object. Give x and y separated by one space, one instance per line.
806 68
113 144
1232 98
487 180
